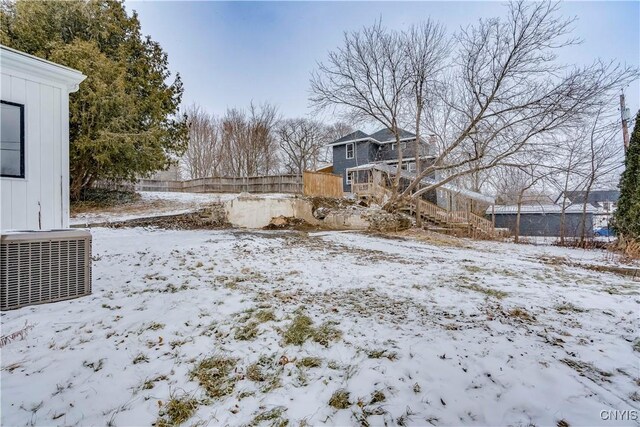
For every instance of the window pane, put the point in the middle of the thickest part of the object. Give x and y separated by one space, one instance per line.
10 162
10 123
10 145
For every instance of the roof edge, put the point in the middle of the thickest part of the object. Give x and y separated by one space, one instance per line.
13 59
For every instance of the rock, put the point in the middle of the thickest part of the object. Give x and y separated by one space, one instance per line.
279 221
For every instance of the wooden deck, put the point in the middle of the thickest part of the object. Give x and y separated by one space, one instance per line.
476 225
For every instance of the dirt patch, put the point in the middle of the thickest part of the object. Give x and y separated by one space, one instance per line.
431 237
97 199
290 223
212 217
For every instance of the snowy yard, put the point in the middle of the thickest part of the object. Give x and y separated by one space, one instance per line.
233 327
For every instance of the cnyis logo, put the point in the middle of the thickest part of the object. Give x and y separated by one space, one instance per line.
617 415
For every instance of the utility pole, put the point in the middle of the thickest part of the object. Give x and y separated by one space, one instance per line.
624 115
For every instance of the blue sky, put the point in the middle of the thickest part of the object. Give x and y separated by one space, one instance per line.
229 53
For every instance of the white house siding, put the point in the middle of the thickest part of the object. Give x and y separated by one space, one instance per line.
40 201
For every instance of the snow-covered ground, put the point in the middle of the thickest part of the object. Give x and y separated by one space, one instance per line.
197 325
153 203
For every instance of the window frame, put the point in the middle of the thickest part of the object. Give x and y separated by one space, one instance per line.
346 150
22 145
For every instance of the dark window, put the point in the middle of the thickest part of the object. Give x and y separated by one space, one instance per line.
349 151
12 140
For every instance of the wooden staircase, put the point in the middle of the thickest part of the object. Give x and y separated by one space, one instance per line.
473 224
456 222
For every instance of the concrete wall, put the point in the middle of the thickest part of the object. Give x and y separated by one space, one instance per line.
545 224
257 212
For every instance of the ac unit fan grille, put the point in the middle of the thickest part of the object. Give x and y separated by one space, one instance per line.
37 270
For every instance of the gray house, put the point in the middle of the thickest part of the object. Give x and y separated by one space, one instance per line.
359 148
543 220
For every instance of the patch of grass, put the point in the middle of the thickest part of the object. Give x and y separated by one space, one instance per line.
96 366
273 417
176 411
140 358
333 365
299 330
587 370
568 307
487 291
154 326
254 373
340 399
472 268
309 362
636 345
379 354
522 314
326 333
264 315
377 397
247 332
215 375
150 383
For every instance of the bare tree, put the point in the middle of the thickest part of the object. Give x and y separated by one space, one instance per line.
426 50
604 156
366 79
248 143
301 141
516 183
202 156
507 90
504 89
569 169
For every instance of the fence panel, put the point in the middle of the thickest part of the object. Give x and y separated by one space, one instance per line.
311 184
322 184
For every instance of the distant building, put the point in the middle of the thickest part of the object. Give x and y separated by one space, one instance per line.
544 220
604 201
359 148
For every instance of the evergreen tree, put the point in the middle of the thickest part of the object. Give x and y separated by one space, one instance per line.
627 216
124 120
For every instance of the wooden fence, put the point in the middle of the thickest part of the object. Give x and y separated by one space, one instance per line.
322 184
312 184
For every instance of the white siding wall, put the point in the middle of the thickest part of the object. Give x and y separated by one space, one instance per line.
41 199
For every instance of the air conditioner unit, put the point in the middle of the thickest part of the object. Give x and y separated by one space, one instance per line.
39 267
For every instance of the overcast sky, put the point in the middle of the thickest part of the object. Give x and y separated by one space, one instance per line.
229 53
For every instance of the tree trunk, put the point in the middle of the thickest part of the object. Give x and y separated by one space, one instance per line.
516 238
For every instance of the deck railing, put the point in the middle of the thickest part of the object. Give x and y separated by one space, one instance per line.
432 211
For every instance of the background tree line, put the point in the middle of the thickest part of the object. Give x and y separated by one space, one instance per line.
254 141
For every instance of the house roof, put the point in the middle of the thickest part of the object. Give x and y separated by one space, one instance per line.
16 61
353 136
381 136
595 196
385 135
539 209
